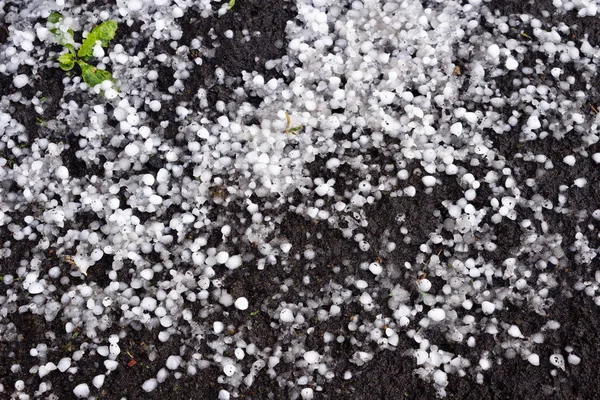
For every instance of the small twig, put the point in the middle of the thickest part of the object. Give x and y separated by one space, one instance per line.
288 128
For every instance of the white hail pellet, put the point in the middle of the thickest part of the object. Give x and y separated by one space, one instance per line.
286 315
514 331
436 314
20 80
155 105
533 122
511 64
424 285
569 160
241 303
82 390
558 361
222 257
493 51
61 172
229 370
487 307
375 268
311 357
533 359
428 180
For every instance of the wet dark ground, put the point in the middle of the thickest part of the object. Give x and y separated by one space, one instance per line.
390 374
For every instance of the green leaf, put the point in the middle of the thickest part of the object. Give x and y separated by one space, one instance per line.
67 61
64 38
54 17
288 121
295 129
231 4
92 75
103 32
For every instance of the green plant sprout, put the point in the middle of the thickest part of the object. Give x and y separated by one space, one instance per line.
231 4
101 34
291 129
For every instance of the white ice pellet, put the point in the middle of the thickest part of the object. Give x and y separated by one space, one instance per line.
311 357
424 285
98 51
114 349
86 291
132 149
558 361
113 203
580 182
177 12
173 362
456 129
155 105
155 199
569 160
386 97
20 80
485 364
233 262
534 359
111 93
82 390
573 359
36 288
533 122
222 257
147 274
98 381
149 303
239 353
150 385
429 155
511 64
224 395
322 190
166 321
307 394
286 315
258 80
218 327
181 111
493 51
487 307
514 331
428 180
134 5
111 365
64 364
440 377
229 369
223 120
437 314
241 303
361 284
375 268
61 172
365 298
